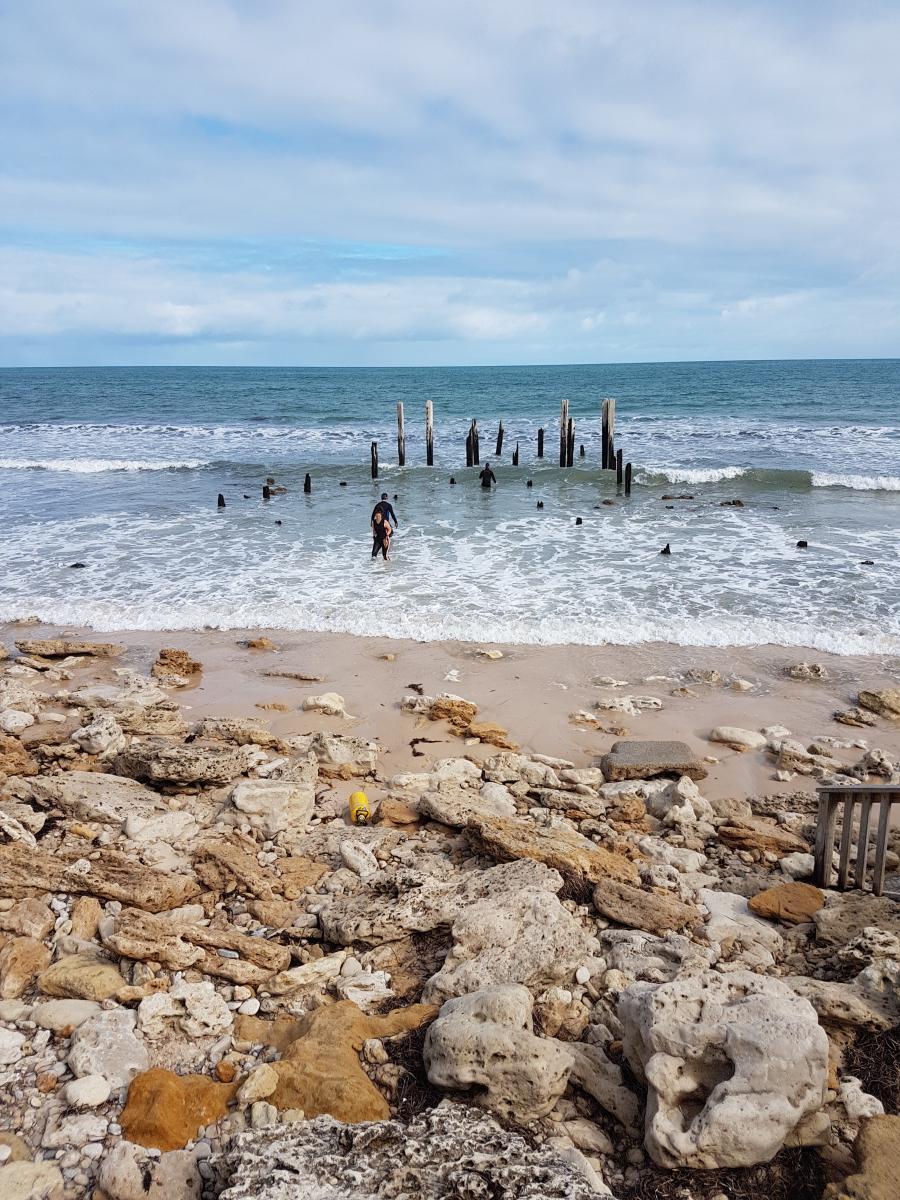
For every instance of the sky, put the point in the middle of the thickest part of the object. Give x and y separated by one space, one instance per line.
448 182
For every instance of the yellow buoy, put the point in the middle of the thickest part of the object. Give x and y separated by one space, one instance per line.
359 809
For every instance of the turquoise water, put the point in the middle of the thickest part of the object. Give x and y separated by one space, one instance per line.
119 468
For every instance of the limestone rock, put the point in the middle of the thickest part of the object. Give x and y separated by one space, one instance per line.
66 647
15 722
450 1152
31 1181
29 917
530 938
808 672
737 932
755 833
870 1001
88 1092
161 762
455 710
14 758
271 806
793 903
846 915
21 961
11 1042
738 739
129 1172
877 1153
485 1039
329 703
855 716
320 1071
164 1111
172 664
733 1063
81 977
491 734
641 908
60 1016
649 759
680 805
337 753
103 735
195 1008
886 703
566 851
107 1045
91 796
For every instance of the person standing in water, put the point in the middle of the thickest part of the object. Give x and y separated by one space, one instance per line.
385 508
381 534
487 476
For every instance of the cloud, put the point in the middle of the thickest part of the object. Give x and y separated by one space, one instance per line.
525 170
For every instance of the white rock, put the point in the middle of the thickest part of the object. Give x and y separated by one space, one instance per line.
329 703
88 1092
10 1046
733 1063
57 1015
738 739
75 1131
273 806
659 850
249 1008
858 1104
129 1172
31 1181
196 1009
630 705
798 865
107 1045
496 798
582 975
261 1082
14 721
102 736
366 988
731 922
358 858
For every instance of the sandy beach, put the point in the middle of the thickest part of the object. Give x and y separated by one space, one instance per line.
531 691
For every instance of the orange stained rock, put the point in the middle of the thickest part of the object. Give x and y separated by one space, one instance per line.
321 1072
164 1110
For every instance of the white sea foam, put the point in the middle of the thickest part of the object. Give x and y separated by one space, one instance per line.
693 475
95 466
858 483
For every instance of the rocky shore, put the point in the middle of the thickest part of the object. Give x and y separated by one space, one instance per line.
529 976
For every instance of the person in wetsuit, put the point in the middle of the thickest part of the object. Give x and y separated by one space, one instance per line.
381 534
487 476
384 507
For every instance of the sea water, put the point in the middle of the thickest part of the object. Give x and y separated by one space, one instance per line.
120 468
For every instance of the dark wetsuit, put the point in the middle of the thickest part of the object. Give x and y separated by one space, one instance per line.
381 534
384 507
487 477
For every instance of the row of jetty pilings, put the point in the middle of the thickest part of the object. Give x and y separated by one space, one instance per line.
611 459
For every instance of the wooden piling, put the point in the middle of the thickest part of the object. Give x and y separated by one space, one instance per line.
563 432
515 462
266 493
429 433
619 471
307 484
401 436
470 447
374 460
221 501
581 451
499 449
540 443
476 444
570 443
628 479
607 453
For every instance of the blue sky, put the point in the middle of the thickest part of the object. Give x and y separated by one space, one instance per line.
387 181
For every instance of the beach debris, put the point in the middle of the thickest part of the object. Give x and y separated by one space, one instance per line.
329 703
650 759
175 668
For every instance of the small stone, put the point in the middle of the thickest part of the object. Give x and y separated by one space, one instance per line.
582 975
88 1092
250 1007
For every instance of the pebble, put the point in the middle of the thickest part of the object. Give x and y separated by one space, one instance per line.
582 975
250 1007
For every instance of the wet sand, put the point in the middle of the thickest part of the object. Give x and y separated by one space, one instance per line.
531 691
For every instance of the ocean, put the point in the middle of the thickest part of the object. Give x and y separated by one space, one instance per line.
120 468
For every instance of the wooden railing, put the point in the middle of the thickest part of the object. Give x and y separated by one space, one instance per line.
853 801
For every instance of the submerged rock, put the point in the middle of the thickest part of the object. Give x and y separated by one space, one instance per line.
447 1153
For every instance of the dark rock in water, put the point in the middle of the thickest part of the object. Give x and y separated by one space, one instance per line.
579 521
530 483
731 504
608 503
396 497
246 497
802 544
266 492
277 522
221 501
77 564
343 483
307 483
540 504
670 506
452 480
867 562
681 496
667 549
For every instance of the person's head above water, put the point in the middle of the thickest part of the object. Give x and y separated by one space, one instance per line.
384 495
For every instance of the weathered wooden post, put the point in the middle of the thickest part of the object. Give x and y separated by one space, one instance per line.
607 460
499 449
401 436
563 432
516 455
429 433
374 460
619 472
307 484
570 443
628 479
470 447
476 444
266 493
581 451
540 443
221 501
